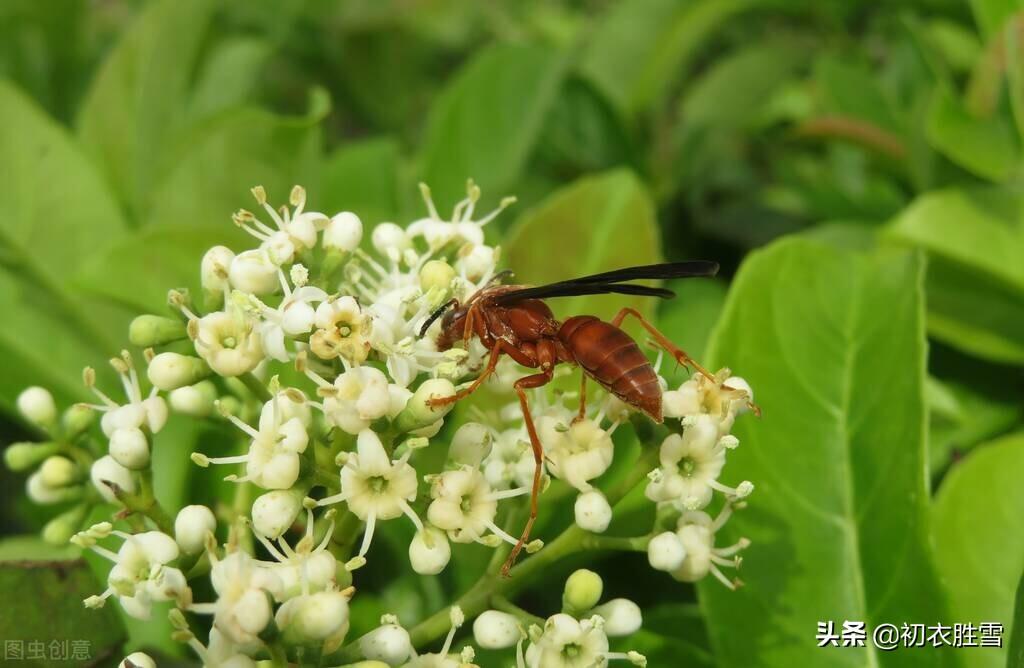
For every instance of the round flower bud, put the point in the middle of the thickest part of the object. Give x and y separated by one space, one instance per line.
76 419
191 526
130 448
169 371
621 616
275 511
480 260
156 413
344 232
138 660
583 590
666 552
195 400
429 551
418 413
36 405
61 528
39 492
253 272
106 469
215 268
315 617
436 274
389 643
496 630
390 240
58 471
592 511
23 456
147 331
470 444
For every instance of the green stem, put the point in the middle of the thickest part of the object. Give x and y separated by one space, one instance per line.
256 386
499 602
144 502
619 543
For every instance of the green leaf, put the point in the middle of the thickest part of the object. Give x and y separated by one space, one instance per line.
991 15
961 417
43 602
139 98
1015 654
486 122
985 146
362 177
641 48
229 76
833 344
975 241
851 89
978 527
595 224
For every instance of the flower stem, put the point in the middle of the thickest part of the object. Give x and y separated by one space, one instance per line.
256 386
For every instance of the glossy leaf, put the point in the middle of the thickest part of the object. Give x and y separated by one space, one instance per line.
833 344
985 146
138 101
486 122
978 524
596 224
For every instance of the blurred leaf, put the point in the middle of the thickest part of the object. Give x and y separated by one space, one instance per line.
978 527
362 177
595 224
975 276
139 97
641 48
1015 652
851 89
958 44
984 146
961 417
673 634
833 344
484 125
33 548
229 76
990 15
139 270
43 602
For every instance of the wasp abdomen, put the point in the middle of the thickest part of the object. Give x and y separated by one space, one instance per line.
612 358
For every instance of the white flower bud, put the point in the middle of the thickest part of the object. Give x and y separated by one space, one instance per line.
480 260
156 413
215 267
390 240
621 616
429 551
389 643
57 472
37 406
470 444
496 630
314 617
253 272
583 590
107 469
23 456
275 511
436 275
147 331
169 371
738 383
39 492
592 511
138 660
666 552
344 232
194 400
76 419
191 526
418 413
130 448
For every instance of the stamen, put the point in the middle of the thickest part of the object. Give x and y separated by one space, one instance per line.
507 493
411 514
429 201
371 523
497 531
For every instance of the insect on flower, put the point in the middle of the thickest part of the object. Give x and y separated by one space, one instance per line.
513 320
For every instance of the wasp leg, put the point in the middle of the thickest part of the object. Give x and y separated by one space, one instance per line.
492 362
583 397
521 385
678 353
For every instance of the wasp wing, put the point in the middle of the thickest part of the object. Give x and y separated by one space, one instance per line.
613 282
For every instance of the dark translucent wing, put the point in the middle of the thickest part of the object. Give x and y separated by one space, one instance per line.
694 268
578 289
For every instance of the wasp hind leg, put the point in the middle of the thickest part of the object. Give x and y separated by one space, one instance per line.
672 349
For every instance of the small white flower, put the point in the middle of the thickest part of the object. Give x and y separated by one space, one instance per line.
470 444
510 462
478 263
130 448
314 618
577 454
253 272
357 397
194 400
666 552
275 511
568 643
37 406
696 531
376 488
140 575
461 228
305 568
228 341
390 240
294 316
106 469
140 412
464 505
341 331
621 617
592 511
690 465
343 232
169 371
244 587
296 230
191 527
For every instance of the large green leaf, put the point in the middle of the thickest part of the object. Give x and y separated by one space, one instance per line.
139 98
833 344
962 417
595 224
641 47
1015 658
985 146
362 177
486 122
978 524
990 15
975 240
43 604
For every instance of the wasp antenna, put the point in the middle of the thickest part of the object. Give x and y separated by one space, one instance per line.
438 312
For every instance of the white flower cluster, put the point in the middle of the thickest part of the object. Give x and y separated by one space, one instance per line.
339 316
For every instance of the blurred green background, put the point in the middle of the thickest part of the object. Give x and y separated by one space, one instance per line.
854 165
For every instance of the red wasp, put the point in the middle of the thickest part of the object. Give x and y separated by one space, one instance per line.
513 320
